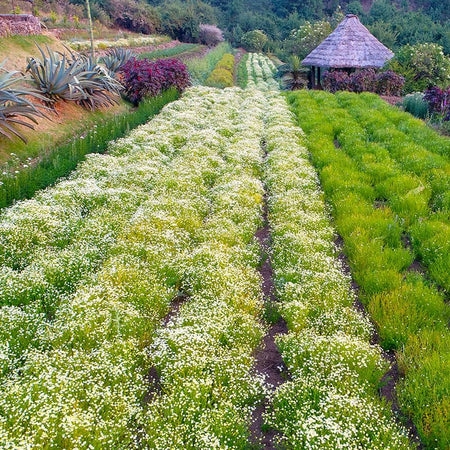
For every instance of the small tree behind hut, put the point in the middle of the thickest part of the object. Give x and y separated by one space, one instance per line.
349 46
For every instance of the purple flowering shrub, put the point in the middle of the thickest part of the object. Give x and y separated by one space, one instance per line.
384 83
439 101
389 83
336 81
363 81
144 78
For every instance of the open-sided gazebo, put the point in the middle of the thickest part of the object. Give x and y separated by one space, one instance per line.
349 46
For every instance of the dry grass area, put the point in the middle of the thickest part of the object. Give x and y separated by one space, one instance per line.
16 49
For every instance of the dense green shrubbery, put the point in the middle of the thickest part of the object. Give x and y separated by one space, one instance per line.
422 66
307 37
254 41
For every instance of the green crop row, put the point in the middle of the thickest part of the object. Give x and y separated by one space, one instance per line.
222 75
332 398
205 355
200 68
419 197
242 74
410 313
260 70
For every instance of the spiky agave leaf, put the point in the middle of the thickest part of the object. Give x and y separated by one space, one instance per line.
55 76
100 88
115 58
15 106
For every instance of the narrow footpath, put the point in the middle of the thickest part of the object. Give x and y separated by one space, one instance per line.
268 360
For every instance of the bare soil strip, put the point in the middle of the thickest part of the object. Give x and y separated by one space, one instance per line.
392 376
268 360
153 379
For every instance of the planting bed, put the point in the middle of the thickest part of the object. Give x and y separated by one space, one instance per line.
389 211
185 291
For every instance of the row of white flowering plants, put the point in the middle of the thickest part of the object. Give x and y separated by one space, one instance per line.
131 302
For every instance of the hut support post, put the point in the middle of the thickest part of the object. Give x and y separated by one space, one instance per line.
319 84
313 77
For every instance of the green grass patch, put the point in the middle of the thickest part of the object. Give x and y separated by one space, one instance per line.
171 52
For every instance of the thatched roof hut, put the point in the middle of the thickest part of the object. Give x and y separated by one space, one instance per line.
349 46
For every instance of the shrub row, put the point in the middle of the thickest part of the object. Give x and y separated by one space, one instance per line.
200 68
242 73
413 177
222 75
384 83
331 400
143 78
410 314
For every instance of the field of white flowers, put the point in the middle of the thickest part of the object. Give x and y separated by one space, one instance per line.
90 267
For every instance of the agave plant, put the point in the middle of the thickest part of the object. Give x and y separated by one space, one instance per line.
99 87
115 58
294 76
15 108
55 77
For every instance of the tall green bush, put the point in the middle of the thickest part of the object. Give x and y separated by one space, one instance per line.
254 41
422 65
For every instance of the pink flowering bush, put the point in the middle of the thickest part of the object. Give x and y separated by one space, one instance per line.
145 78
210 35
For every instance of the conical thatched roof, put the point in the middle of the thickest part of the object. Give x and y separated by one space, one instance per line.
350 45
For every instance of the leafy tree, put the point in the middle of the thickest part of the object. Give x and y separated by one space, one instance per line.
382 10
422 65
385 33
354 7
254 41
181 20
307 37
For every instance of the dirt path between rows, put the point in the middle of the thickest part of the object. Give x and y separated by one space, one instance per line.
153 379
268 360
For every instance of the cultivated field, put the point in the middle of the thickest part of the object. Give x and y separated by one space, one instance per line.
135 294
